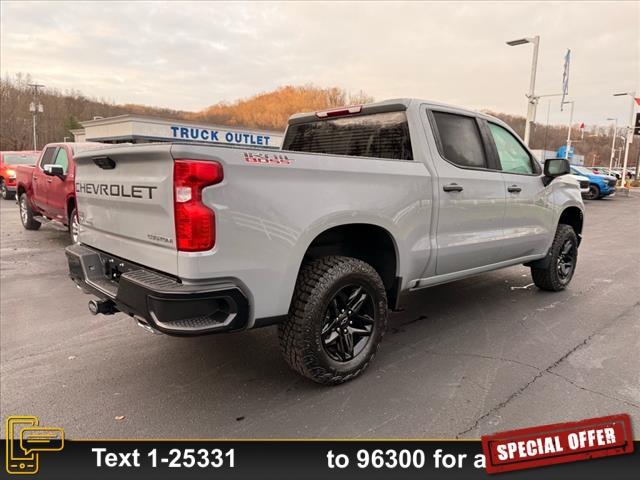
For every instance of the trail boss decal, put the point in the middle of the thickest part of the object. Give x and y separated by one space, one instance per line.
267 158
116 190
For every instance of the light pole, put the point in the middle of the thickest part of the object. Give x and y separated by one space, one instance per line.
617 157
533 100
546 126
613 143
35 108
568 148
629 134
620 150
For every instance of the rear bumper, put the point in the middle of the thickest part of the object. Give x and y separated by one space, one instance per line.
162 302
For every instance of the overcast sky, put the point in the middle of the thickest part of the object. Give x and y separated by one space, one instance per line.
190 55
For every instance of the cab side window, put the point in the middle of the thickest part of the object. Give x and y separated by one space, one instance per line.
47 157
514 158
460 140
62 159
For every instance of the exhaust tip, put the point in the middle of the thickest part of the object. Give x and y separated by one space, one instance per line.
142 323
105 307
93 307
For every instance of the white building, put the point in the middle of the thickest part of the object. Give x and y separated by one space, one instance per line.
142 129
542 155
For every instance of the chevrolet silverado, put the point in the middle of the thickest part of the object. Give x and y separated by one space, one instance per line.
361 204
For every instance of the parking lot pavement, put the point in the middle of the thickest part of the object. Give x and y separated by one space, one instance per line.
481 355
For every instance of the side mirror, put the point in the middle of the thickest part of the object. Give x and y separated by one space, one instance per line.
53 170
554 167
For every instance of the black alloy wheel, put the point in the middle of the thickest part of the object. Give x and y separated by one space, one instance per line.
567 260
348 323
556 271
337 318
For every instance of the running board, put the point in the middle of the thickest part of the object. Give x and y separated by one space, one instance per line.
56 224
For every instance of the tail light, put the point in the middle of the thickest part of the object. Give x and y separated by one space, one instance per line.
195 222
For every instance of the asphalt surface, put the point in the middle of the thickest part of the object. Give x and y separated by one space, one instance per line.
486 354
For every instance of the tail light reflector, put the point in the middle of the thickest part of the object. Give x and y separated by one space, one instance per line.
195 222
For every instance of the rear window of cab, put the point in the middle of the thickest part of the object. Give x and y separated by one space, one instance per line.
20 159
377 135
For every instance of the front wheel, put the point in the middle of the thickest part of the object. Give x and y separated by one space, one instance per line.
4 191
336 321
593 193
26 214
562 264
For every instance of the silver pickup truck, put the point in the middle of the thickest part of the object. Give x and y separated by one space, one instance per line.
362 204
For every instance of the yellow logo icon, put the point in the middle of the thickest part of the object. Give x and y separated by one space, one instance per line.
25 440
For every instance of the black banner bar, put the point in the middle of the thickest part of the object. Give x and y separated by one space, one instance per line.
295 460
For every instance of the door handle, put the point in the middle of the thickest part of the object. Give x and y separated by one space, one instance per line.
49 180
514 189
452 187
35 179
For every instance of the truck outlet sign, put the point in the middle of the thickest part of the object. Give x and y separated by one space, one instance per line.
142 128
219 136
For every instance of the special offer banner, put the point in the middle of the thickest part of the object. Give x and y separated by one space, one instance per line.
43 452
558 443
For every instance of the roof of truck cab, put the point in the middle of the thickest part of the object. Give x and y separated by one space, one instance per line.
20 152
391 105
78 146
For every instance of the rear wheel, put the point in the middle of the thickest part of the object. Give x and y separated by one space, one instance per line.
74 226
26 214
337 319
562 264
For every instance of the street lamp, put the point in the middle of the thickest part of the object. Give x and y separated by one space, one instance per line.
613 143
629 133
35 108
531 106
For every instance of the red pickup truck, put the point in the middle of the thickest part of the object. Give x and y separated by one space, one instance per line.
46 190
8 163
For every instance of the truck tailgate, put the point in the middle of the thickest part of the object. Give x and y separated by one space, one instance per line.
125 203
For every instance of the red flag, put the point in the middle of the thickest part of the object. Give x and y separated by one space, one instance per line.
582 125
637 100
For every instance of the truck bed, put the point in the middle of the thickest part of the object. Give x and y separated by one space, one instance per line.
268 209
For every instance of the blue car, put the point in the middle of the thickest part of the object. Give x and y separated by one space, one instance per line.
600 186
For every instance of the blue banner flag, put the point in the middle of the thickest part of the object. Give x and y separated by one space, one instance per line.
565 77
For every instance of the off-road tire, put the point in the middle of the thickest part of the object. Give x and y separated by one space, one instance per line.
26 214
301 333
549 278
